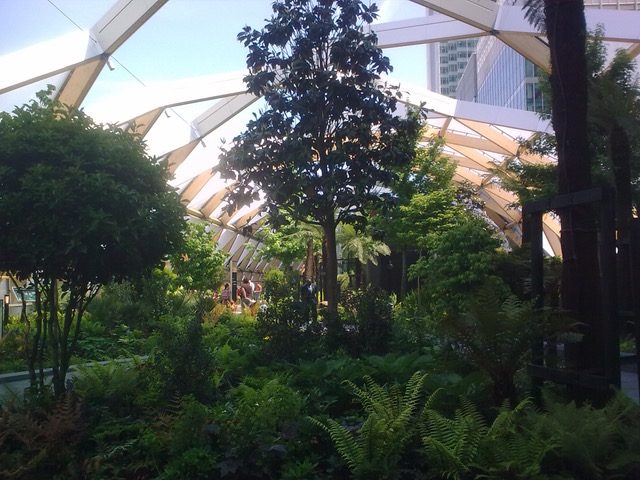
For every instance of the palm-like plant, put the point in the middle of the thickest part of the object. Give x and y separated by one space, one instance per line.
495 334
360 247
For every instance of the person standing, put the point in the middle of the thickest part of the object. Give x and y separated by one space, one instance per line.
309 299
247 297
225 295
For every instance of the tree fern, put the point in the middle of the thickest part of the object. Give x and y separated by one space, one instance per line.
376 449
494 333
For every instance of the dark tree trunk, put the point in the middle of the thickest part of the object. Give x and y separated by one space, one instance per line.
331 266
357 272
403 274
566 32
620 157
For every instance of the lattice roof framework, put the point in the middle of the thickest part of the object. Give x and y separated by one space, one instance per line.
199 111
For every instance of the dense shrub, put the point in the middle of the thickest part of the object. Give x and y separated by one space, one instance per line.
181 363
364 322
276 285
286 329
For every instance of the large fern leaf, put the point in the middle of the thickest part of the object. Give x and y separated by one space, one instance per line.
377 447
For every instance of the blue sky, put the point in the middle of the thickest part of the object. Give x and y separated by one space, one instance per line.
184 38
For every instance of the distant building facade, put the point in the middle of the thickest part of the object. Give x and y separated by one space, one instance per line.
498 75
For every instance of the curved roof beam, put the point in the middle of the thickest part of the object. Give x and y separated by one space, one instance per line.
427 29
82 54
165 95
506 22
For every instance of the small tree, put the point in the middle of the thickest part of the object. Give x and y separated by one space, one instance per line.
81 205
328 138
425 203
199 265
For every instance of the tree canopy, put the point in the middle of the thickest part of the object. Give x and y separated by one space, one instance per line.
79 201
199 264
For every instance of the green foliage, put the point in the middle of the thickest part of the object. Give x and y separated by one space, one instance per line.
461 260
512 450
57 161
276 285
139 304
376 450
426 216
286 329
288 242
180 363
592 443
44 444
114 385
361 247
323 379
190 456
412 323
529 181
199 265
365 321
258 426
452 445
426 201
465 447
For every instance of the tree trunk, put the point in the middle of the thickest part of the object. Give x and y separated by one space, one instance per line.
566 32
403 274
309 264
54 339
620 157
357 272
331 266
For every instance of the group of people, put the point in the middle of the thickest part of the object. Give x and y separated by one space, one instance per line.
248 293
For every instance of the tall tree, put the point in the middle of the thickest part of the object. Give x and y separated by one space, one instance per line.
80 205
614 114
565 27
328 139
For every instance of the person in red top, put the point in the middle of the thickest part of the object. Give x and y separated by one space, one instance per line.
247 292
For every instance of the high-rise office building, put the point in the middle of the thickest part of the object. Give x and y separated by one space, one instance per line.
453 58
498 75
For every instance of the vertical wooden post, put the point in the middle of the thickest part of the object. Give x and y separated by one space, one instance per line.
609 324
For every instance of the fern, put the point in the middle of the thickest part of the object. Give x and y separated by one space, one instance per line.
453 444
512 450
376 449
33 446
494 334
465 446
593 443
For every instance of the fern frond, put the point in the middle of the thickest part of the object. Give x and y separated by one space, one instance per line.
455 442
345 443
378 445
